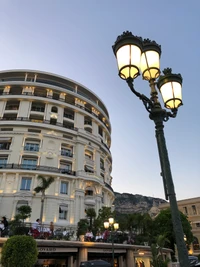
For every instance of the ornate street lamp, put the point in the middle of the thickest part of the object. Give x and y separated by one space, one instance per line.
134 56
114 227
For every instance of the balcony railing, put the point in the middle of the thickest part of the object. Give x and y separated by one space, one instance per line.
55 98
37 168
31 148
39 121
10 107
68 116
86 122
38 109
66 153
108 186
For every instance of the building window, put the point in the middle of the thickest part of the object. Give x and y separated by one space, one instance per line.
65 167
194 210
102 164
25 183
38 107
29 163
198 224
66 152
3 161
185 211
54 109
64 188
12 105
63 209
103 196
53 121
89 192
5 143
30 146
100 131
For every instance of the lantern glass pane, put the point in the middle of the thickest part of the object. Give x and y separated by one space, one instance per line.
150 64
172 94
106 225
111 220
116 226
128 59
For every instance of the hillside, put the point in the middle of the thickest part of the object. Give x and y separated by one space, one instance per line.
129 203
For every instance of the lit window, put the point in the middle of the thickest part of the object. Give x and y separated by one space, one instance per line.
25 184
64 188
63 209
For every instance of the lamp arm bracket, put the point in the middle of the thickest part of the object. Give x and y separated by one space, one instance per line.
171 114
146 101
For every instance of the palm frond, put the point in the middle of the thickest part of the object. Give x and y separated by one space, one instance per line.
38 189
45 182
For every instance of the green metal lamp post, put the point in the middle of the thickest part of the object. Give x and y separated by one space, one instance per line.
113 226
134 56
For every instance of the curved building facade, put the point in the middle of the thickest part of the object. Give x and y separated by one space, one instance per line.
53 126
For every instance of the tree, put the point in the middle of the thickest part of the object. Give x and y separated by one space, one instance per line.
24 212
91 214
82 227
19 251
158 258
104 214
44 185
162 225
17 226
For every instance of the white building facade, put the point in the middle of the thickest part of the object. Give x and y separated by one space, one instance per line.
53 126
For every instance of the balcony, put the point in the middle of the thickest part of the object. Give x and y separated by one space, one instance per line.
68 116
31 148
87 122
38 121
37 168
89 161
66 153
43 94
108 186
37 108
90 201
12 107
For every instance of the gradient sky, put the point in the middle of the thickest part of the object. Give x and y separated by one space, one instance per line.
73 38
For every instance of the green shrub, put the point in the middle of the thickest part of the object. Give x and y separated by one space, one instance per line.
19 251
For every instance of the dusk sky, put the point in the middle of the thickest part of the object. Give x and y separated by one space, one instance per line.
74 38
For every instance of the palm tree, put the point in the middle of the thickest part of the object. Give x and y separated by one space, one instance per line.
91 213
44 185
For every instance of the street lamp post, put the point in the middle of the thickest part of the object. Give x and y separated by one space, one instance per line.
134 56
113 226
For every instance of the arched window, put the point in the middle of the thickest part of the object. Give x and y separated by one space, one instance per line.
89 191
54 109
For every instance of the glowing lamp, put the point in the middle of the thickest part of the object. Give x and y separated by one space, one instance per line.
111 220
127 50
150 60
116 226
170 86
106 225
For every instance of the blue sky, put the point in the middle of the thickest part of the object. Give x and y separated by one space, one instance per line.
73 38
